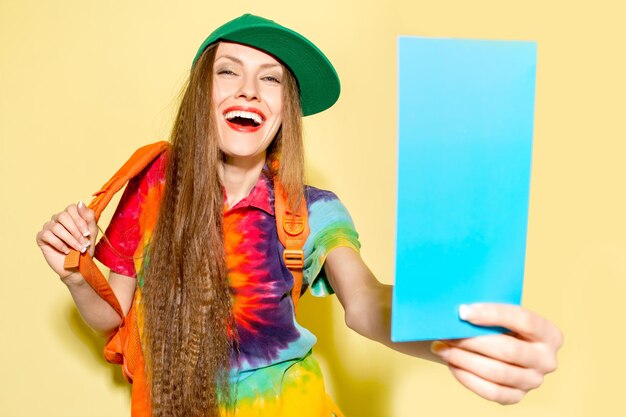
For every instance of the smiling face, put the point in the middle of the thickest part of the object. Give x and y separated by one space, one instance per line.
247 99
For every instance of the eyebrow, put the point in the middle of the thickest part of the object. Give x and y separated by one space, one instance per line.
240 62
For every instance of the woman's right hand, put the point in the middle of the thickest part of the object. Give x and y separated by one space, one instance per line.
75 228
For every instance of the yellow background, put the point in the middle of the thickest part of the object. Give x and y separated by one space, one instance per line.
83 83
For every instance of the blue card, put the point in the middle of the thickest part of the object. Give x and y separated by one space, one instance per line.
464 156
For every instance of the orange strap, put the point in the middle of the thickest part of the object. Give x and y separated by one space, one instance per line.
83 261
293 230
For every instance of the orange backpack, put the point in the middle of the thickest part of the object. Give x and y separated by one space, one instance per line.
124 346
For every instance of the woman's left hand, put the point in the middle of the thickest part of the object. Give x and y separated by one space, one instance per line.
502 367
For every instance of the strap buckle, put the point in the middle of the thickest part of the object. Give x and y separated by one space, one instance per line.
294 258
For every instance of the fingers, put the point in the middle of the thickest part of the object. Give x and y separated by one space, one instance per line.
493 392
503 347
69 229
502 367
509 349
68 226
525 323
489 369
47 238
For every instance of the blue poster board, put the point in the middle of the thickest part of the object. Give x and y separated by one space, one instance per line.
464 156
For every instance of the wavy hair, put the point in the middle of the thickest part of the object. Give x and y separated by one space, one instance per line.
190 337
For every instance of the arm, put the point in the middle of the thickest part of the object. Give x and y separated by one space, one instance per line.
76 227
500 368
367 302
96 312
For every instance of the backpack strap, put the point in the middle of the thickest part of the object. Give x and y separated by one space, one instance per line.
293 230
83 261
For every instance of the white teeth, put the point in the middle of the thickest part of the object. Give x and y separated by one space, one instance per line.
244 114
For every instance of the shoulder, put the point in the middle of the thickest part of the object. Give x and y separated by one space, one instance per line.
155 170
325 208
142 191
315 195
151 178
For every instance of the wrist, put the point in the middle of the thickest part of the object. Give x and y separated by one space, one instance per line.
73 280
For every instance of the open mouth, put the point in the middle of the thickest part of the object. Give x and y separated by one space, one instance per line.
243 120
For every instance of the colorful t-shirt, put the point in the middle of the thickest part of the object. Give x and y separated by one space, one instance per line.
271 341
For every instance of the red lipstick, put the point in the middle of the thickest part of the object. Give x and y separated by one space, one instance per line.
258 121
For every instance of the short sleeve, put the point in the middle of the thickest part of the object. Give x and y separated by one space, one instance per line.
330 227
116 249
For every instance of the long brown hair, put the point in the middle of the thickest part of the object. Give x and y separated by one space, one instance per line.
190 337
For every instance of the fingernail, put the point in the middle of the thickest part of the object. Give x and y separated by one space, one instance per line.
84 249
464 312
438 348
86 233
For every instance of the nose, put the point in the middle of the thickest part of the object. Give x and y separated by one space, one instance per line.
248 89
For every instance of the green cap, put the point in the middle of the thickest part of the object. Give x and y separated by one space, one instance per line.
316 76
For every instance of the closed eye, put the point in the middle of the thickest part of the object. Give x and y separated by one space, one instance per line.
271 79
226 72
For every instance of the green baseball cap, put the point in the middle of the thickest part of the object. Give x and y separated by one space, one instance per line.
316 76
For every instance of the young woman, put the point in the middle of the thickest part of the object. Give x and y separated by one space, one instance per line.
194 245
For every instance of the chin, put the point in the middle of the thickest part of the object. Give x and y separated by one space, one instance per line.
238 147
242 153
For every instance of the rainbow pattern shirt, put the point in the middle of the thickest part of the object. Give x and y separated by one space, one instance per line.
276 374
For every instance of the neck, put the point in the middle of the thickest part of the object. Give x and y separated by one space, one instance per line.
239 176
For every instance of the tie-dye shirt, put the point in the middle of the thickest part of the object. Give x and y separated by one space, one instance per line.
271 340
